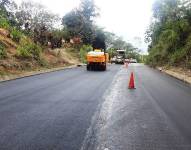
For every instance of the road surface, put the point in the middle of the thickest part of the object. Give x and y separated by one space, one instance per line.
79 110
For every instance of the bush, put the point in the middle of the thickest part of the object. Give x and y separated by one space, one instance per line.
43 62
3 53
83 52
189 65
4 23
28 49
112 52
178 56
16 35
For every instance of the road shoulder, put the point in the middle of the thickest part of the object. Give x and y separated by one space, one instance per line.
33 73
182 75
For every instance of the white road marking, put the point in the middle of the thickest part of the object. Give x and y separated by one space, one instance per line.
94 135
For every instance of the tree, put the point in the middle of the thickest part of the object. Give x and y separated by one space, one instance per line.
110 38
79 22
7 8
119 43
169 32
36 20
73 22
77 25
4 6
32 15
114 43
88 9
87 33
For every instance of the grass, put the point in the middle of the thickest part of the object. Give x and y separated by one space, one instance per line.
8 42
15 65
73 52
3 73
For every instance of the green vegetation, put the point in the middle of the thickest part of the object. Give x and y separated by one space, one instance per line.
4 23
169 34
28 49
43 62
83 52
16 35
80 22
3 52
114 43
32 40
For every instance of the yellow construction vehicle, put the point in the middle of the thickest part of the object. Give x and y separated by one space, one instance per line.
97 60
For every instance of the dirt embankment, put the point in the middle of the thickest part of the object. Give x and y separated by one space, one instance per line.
14 65
177 72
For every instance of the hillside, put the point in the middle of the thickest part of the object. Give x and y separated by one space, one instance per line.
169 34
12 63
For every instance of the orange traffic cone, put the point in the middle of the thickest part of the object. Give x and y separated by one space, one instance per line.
132 82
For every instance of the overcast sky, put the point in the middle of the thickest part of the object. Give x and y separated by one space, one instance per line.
126 18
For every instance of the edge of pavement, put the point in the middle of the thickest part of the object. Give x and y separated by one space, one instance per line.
183 77
34 73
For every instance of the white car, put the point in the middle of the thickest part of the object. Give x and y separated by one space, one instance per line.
133 61
113 60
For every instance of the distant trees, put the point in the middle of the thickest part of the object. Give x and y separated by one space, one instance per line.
3 9
34 20
32 15
110 38
30 18
80 22
169 34
73 23
88 10
114 43
7 8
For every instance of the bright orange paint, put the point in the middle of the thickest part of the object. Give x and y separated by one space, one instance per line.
99 58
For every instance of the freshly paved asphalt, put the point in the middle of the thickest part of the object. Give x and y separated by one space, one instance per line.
79 110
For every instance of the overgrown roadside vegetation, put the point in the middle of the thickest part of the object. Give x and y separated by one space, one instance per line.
32 37
169 34
29 41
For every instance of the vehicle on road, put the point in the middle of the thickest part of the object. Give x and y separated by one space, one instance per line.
127 60
133 60
113 60
97 60
120 58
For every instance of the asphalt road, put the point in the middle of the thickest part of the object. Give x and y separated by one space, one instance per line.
79 110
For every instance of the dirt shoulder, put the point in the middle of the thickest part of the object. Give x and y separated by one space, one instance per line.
57 59
13 65
32 73
177 72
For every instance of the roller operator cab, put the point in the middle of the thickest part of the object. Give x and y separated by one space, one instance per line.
97 60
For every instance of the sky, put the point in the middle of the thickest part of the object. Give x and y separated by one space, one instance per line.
126 18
